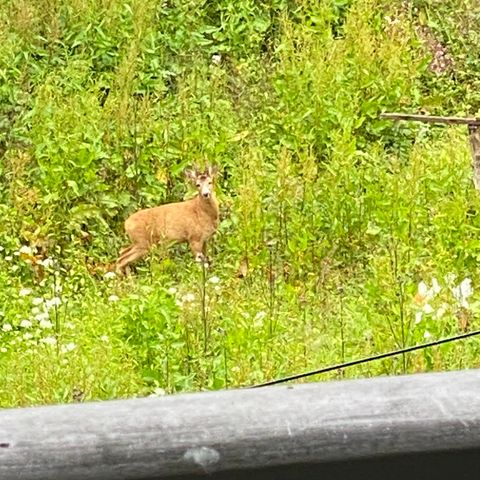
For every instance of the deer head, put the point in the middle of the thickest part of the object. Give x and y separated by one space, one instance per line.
203 181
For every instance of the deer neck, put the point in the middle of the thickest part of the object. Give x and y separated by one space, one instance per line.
208 206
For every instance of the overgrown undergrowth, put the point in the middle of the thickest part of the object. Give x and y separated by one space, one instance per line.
342 235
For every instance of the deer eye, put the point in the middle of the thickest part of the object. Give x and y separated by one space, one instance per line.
198 184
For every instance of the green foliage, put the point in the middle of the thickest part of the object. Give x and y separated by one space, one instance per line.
334 222
452 45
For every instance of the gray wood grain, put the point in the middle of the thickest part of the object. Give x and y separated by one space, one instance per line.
323 430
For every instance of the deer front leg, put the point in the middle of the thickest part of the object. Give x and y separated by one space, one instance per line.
198 250
204 253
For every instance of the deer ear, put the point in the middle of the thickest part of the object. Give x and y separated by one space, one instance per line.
191 174
212 170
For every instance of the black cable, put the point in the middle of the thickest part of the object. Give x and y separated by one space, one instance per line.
367 359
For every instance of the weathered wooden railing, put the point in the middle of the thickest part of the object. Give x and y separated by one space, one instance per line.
472 123
418 426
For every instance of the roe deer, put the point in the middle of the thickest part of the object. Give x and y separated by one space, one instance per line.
193 221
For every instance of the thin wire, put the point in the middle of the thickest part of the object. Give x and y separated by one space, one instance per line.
367 359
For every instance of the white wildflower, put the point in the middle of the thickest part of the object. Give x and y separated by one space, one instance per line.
69 325
427 334
49 340
24 292
68 347
6 327
214 280
35 311
1 249
27 336
8 258
37 301
42 316
436 288
441 311
178 303
158 392
46 262
3 350
104 338
109 275
45 324
113 298
25 323
462 292
464 303
427 308
258 319
418 317
188 297
424 293
466 288
216 58
450 278
422 289
26 250
172 290
52 302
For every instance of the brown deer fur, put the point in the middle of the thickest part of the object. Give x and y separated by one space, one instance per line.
193 221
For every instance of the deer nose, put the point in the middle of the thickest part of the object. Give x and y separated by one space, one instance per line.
206 194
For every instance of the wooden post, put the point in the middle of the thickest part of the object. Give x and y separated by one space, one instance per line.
473 129
414 426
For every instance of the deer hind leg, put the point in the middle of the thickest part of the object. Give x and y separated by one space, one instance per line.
122 254
123 251
130 254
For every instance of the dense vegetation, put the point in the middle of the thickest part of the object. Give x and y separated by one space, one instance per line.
342 235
